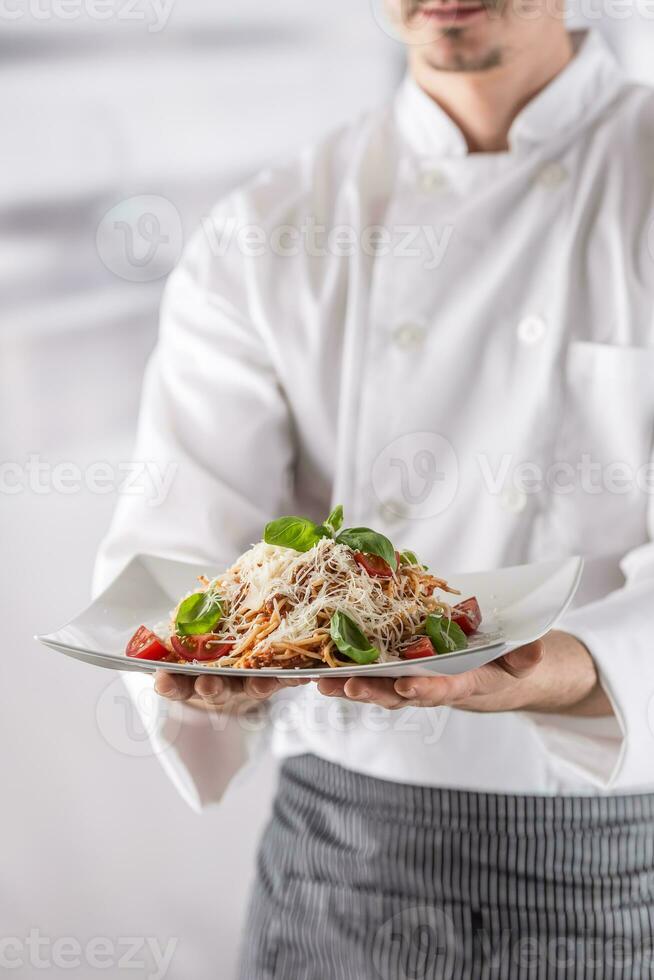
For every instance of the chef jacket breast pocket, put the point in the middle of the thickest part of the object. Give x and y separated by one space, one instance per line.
602 481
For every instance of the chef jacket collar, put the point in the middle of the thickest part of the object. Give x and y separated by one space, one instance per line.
571 101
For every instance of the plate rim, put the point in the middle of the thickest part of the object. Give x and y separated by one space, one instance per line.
117 661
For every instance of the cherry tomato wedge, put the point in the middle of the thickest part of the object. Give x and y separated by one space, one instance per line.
467 615
204 646
418 649
144 645
375 566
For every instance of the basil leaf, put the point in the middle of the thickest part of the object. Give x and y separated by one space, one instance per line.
297 533
350 640
410 558
369 542
444 634
335 520
198 613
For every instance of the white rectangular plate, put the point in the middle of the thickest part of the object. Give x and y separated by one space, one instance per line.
518 604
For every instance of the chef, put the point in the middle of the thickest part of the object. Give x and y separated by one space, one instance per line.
442 317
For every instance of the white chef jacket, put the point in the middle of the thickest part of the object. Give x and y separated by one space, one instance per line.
476 327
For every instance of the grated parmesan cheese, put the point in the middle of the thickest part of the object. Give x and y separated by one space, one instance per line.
315 584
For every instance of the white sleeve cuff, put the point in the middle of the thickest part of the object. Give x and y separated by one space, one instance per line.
200 751
615 754
590 749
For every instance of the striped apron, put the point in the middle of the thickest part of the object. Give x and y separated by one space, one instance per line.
363 879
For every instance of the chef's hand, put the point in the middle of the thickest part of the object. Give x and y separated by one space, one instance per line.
228 694
556 674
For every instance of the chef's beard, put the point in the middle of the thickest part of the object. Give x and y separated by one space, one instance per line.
459 58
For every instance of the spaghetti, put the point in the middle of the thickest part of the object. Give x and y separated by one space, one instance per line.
324 606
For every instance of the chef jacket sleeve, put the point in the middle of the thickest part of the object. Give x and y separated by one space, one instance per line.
214 425
617 755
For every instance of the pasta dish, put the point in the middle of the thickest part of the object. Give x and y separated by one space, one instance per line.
313 595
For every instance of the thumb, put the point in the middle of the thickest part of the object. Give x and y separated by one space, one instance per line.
522 661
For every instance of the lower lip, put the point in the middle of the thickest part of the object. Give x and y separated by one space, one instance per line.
459 14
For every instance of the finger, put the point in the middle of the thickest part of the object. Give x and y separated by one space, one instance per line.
332 687
373 690
217 690
261 688
522 661
293 681
174 687
358 688
432 692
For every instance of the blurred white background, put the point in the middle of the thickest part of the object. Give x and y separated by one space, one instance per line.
110 110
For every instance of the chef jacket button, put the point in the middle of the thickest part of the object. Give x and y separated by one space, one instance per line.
433 180
552 174
513 500
531 330
409 336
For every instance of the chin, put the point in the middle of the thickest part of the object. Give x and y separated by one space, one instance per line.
463 50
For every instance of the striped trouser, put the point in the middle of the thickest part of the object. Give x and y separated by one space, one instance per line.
362 879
